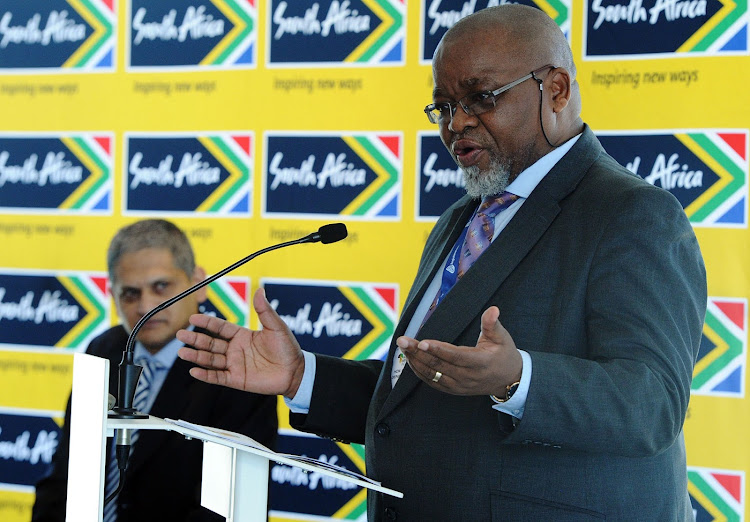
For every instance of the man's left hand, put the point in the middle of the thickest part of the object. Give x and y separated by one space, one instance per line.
484 369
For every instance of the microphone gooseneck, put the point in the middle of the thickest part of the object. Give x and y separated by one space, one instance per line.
129 372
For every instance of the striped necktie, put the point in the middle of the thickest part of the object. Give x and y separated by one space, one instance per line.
140 400
474 240
478 236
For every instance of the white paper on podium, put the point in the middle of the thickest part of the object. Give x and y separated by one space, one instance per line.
239 441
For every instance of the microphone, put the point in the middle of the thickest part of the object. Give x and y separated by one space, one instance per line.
129 372
327 234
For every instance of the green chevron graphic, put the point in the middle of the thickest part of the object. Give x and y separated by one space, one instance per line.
221 200
715 492
103 33
716 27
387 175
391 25
243 28
96 318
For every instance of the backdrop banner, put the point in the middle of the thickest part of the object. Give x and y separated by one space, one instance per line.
251 123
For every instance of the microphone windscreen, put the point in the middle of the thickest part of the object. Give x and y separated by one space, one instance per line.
332 232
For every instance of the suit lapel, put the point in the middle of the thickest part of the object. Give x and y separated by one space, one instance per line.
470 296
446 236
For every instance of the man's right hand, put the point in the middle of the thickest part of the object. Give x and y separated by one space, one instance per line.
267 361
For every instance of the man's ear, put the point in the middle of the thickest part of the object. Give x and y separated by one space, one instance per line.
560 88
199 274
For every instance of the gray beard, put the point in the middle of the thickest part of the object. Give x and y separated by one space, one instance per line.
480 184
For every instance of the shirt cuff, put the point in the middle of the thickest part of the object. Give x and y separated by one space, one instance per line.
300 403
516 404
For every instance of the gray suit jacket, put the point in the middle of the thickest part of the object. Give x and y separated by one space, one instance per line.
600 278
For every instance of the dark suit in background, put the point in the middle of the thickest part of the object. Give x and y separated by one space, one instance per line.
164 471
600 279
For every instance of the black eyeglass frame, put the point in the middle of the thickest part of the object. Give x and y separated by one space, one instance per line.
474 107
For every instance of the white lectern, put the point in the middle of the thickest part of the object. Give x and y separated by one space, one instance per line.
235 467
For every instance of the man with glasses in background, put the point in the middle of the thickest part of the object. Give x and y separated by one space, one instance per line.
149 262
542 365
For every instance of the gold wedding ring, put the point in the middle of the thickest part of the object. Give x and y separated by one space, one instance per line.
437 376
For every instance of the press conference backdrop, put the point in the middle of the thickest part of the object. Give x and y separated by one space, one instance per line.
250 123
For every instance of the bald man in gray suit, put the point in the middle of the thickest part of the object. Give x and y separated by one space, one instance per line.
549 381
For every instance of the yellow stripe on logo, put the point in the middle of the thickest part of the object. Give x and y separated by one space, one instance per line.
382 175
234 174
96 173
377 326
221 306
725 178
727 7
96 35
354 503
360 498
547 8
238 27
83 323
368 42
721 348
704 501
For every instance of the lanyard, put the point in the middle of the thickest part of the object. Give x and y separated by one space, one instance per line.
450 271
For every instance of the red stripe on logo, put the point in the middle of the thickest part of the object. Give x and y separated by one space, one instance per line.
393 143
738 142
732 483
734 311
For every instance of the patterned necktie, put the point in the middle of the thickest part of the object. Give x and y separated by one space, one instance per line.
478 237
140 400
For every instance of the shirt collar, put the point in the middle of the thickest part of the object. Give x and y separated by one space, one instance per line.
529 178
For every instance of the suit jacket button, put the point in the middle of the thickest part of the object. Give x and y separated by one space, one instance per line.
390 514
383 430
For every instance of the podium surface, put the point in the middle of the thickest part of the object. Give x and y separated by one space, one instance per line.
235 467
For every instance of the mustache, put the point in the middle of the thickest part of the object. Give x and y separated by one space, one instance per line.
469 137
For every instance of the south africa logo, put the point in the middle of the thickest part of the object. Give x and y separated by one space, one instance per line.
716 494
720 369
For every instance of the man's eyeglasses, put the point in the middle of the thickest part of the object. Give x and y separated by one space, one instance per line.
475 103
